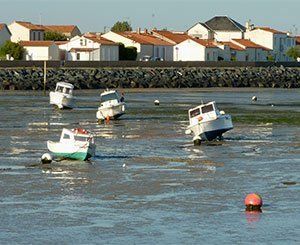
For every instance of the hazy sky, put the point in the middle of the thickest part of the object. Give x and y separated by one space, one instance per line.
95 15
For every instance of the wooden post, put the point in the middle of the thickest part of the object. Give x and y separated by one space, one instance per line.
45 76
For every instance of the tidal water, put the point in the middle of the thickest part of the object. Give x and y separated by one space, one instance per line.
170 192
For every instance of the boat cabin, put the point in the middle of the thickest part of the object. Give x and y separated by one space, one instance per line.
76 135
109 96
204 112
65 88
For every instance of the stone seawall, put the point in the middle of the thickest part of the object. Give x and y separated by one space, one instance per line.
96 78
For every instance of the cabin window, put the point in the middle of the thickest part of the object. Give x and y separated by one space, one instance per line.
108 97
59 89
194 112
207 108
67 137
67 91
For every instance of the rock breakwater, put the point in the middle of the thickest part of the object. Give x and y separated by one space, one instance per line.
96 78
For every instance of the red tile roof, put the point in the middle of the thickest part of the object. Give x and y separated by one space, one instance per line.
60 42
82 49
174 37
233 46
297 40
60 28
2 26
205 42
100 40
145 38
249 44
36 43
268 29
30 26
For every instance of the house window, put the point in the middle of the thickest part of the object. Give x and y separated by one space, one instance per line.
81 42
77 56
207 56
33 35
247 57
157 52
39 36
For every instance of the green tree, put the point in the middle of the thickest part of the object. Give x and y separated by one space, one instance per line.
293 52
127 53
13 49
54 36
121 26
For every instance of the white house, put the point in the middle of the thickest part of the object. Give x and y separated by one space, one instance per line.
145 43
193 49
172 37
4 34
279 42
90 48
253 51
40 50
201 30
25 31
220 28
67 30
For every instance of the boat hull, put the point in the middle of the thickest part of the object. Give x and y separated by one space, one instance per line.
70 151
113 112
62 101
212 129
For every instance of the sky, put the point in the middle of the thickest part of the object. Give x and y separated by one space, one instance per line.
100 15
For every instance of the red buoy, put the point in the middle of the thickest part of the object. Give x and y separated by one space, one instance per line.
253 202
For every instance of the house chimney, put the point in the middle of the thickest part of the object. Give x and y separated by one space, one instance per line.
146 31
138 30
248 25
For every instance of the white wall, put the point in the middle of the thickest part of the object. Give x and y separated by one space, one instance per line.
4 36
41 53
164 52
120 39
19 33
189 50
200 31
226 36
102 52
279 43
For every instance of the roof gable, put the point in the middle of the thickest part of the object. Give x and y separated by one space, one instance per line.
268 29
30 26
144 38
224 23
249 44
173 37
61 28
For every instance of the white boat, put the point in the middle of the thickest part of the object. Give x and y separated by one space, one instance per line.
62 97
112 105
75 144
208 123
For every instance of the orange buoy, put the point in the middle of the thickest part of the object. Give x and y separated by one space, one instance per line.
253 202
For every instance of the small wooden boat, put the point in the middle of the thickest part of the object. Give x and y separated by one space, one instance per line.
208 123
62 97
75 144
112 105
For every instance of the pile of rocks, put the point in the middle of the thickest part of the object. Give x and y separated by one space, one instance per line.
96 78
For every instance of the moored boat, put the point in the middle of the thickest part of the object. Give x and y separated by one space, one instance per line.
75 144
208 123
62 97
112 105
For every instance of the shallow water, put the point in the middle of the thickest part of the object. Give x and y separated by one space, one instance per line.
170 190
